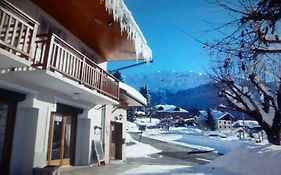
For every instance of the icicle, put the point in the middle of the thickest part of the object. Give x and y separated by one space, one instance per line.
119 11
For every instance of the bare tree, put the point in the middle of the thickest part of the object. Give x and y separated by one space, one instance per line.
247 62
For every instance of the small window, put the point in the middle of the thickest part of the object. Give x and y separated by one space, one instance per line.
220 126
160 108
224 122
225 127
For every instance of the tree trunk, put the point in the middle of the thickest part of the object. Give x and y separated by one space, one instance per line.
272 132
274 136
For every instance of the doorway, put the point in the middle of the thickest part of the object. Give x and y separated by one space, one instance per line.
62 138
116 141
8 107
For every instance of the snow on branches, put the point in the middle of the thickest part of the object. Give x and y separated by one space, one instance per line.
248 64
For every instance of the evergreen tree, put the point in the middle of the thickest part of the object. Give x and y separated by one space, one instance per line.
210 122
118 75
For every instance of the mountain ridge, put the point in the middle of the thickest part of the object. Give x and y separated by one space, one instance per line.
167 80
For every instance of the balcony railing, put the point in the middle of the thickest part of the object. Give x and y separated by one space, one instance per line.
17 30
54 54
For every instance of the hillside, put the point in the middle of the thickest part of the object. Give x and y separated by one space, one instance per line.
163 81
201 97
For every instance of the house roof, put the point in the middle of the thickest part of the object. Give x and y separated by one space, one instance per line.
106 26
131 96
217 115
169 108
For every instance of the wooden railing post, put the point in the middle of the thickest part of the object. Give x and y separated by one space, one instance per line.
82 69
101 80
32 41
49 51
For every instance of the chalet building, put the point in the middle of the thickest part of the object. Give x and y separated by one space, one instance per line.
165 110
56 97
222 120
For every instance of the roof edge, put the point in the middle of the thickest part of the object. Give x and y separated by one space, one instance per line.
127 23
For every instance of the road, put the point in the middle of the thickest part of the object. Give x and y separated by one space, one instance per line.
172 154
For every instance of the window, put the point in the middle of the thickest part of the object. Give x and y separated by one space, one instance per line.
160 108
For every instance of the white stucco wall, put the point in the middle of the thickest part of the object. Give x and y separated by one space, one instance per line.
113 115
224 125
30 141
31 133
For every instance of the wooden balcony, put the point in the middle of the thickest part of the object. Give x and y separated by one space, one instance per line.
20 47
17 31
54 54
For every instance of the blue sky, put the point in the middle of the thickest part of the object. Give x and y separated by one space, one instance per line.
167 26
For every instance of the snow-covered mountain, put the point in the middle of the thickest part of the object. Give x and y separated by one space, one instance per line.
166 81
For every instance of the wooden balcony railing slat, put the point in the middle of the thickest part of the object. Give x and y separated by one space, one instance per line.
14 33
3 14
65 59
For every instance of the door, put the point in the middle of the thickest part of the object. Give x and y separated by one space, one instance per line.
61 139
116 141
7 117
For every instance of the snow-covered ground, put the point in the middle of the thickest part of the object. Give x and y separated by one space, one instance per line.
242 158
134 149
221 142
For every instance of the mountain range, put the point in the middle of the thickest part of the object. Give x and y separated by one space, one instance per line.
189 90
166 81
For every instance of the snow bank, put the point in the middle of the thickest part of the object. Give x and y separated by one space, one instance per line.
185 130
132 127
134 149
147 122
257 159
220 145
175 170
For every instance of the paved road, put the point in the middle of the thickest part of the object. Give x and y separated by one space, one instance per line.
172 154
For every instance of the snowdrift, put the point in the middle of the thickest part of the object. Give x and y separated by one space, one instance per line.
254 159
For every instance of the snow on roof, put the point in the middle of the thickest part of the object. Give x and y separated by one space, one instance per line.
140 112
250 123
216 114
169 108
133 94
127 23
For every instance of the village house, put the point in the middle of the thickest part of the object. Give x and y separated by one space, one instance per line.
56 97
222 120
167 111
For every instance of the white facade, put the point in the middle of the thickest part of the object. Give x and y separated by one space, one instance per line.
55 116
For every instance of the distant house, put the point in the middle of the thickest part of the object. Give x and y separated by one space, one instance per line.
222 120
165 110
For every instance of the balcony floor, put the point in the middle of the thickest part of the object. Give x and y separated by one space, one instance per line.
9 60
56 84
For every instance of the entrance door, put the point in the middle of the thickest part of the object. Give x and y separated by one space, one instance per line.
62 139
116 141
7 117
